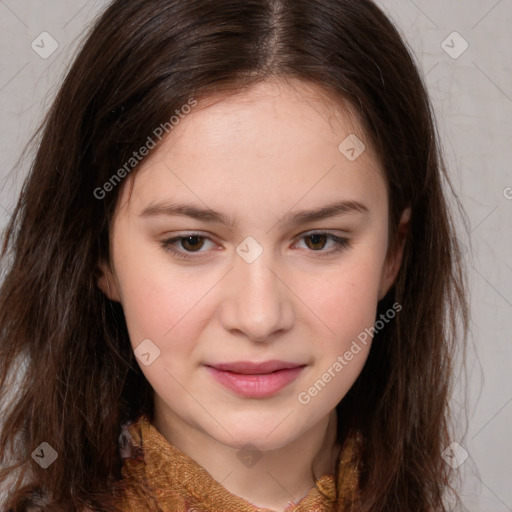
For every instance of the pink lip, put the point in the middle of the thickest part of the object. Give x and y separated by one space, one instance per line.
248 367
255 380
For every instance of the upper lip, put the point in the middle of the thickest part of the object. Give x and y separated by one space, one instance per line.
251 368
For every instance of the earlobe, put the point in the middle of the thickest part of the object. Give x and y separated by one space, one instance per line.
107 282
394 261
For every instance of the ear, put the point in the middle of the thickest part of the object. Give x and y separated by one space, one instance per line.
393 261
107 282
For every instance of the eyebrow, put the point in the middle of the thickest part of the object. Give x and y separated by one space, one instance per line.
292 218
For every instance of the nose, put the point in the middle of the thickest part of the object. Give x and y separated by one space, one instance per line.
258 303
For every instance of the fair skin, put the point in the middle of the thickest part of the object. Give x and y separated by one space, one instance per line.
256 157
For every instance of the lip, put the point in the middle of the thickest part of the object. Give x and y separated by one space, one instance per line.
250 368
255 380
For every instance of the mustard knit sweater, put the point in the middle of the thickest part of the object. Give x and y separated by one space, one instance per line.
159 477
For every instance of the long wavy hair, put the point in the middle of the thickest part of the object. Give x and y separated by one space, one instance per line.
67 343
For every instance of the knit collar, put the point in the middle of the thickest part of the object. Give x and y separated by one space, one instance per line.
157 476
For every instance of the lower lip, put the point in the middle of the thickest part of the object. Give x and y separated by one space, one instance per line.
256 386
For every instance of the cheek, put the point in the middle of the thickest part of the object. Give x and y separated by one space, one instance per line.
158 303
344 300
162 311
346 304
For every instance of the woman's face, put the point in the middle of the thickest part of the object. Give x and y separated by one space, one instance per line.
262 281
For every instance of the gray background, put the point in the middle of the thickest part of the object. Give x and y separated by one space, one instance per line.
472 95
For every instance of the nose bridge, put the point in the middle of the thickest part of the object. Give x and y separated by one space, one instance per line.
259 304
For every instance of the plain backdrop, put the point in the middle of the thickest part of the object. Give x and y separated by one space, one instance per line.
463 48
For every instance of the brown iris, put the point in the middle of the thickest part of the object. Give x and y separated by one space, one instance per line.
190 241
316 237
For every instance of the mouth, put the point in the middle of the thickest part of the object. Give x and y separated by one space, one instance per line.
250 368
255 380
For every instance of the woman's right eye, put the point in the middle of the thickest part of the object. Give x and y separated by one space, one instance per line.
190 244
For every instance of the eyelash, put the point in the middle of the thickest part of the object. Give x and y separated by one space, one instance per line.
341 244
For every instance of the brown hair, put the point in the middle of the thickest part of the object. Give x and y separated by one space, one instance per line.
141 62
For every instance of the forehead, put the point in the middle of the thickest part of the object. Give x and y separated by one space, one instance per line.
256 115
276 140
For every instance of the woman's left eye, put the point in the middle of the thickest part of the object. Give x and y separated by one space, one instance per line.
196 241
320 237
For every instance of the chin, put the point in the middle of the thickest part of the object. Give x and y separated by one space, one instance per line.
262 439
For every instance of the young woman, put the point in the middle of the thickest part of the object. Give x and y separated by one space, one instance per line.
233 280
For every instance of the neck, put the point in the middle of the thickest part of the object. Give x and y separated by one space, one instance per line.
283 475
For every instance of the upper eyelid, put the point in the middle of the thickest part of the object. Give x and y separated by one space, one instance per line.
186 234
